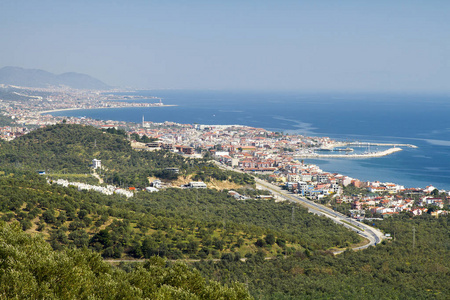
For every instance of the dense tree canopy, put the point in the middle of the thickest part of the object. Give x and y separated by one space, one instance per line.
173 223
30 269
391 270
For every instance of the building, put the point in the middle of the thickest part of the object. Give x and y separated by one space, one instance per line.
196 185
174 170
185 149
157 184
96 163
323 178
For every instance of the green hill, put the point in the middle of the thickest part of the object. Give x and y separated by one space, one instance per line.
286 249
70 149
30 269
173 223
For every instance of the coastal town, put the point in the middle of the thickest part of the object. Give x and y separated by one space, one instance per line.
273 156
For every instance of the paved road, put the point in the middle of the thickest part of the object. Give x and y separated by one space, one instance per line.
374 235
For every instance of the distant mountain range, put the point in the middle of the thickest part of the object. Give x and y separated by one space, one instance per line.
40 78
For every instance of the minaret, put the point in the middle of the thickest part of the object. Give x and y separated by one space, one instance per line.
142 120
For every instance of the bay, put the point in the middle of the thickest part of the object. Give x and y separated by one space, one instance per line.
422 120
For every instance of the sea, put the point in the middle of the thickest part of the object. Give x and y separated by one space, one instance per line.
419 119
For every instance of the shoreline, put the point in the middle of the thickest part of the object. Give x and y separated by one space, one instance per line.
81 108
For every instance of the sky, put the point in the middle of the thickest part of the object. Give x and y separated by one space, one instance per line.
346 46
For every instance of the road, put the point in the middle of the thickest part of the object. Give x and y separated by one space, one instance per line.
372 234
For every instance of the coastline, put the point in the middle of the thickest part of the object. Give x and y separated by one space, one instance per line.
81 108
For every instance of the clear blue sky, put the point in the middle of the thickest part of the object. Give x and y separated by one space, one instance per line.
401 46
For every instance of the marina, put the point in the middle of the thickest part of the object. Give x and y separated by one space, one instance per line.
362 155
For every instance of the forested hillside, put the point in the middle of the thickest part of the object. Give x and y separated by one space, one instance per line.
65 148
173 223
393 270
30 269
276 250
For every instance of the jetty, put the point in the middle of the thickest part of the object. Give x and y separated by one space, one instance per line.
363 144
362 155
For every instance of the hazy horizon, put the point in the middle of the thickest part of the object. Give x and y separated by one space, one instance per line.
350 46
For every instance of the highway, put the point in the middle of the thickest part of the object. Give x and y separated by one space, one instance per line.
372 234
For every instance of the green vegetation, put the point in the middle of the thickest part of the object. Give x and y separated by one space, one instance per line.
277 250
353 190
30 269
173 223
6 121
392 270
143 139
70 149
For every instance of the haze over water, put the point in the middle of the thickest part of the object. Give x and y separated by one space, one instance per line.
421 120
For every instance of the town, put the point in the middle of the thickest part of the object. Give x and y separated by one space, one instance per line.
272 156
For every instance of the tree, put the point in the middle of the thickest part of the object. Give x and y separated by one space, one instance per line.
80 238
49 216
103 237
260 243
270 239
34 271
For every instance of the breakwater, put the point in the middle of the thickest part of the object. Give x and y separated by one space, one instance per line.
362 155
362 144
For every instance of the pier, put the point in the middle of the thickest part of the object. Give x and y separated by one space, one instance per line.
363 155
362 144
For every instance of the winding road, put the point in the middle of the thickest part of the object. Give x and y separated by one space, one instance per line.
373 235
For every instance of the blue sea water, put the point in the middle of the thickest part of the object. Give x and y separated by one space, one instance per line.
422 120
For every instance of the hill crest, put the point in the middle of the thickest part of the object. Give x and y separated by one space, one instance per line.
43 79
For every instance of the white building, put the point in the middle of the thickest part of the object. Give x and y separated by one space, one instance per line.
293 177
157 184
96 163
306 177
322 178
151 189
196 185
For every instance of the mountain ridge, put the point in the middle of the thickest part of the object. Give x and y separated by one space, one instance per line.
40 78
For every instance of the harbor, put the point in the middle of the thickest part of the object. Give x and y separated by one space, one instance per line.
367 154
363 144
